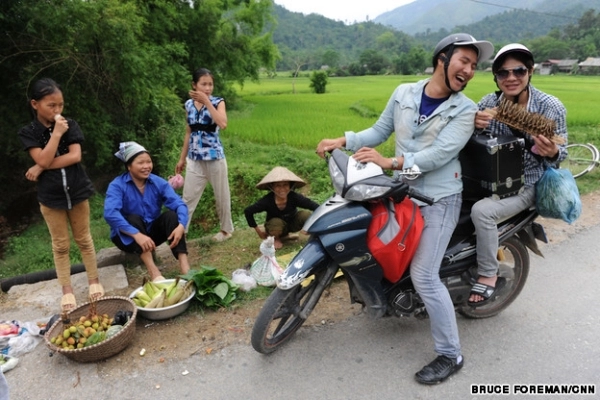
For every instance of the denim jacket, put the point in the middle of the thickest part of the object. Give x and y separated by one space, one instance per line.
433 145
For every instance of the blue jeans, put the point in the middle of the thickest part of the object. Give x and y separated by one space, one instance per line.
440 220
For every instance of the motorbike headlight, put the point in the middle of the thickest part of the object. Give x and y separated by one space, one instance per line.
365 192
337 177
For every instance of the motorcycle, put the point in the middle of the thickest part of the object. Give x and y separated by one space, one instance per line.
338 241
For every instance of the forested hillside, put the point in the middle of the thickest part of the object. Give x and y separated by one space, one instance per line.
307 42
427 16
311 40
518 25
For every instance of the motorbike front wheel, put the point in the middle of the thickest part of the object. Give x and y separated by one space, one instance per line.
515 268
285 311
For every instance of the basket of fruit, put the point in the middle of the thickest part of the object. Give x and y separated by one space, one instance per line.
94 331
164 299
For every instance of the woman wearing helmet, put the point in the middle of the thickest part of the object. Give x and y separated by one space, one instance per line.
432 121
512 68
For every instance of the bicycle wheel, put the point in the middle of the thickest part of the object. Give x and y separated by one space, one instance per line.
581 159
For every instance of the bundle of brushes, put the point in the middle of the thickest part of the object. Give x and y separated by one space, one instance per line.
519 118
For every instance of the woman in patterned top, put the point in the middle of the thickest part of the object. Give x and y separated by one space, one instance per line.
203 152
512 68
63 188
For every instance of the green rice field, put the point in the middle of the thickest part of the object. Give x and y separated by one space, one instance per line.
283 110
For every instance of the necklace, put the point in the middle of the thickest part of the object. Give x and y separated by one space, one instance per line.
140 187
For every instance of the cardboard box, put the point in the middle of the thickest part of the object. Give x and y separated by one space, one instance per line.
492 166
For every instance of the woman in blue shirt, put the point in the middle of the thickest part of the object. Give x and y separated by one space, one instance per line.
133 209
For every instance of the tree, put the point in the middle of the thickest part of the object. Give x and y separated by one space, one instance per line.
125 67
413 62
331 58
373 62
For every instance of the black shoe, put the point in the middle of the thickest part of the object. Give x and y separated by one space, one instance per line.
438 370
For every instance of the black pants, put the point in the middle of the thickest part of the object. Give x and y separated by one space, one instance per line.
159 232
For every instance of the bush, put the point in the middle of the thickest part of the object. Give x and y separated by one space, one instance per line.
318 81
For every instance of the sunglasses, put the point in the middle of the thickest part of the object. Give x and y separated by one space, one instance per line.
518 72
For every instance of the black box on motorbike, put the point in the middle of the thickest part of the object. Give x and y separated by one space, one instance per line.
492 166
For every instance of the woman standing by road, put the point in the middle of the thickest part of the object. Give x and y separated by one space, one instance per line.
54 144
203 152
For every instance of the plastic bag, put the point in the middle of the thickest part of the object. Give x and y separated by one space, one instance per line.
557 196
17 338
176 181
243 278
265 270
7 363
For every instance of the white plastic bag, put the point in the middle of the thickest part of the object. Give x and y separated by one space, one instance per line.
18 338
265 270
243 278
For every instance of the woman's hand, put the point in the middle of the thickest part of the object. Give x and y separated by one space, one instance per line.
199 96
544 147
330 145
180 167
176 235
482 119
33 173
60 125
145 242
261 234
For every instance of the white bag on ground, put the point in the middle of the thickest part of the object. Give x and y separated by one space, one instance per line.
243 278
265 270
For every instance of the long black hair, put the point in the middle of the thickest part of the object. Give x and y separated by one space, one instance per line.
40 89
199 73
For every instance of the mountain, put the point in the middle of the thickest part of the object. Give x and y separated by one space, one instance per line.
309 41
426 16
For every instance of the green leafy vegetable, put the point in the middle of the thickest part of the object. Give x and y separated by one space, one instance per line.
213 289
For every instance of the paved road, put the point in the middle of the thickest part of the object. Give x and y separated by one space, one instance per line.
550 335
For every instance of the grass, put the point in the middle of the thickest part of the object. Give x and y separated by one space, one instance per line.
279 122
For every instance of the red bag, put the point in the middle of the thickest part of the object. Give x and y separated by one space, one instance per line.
394 234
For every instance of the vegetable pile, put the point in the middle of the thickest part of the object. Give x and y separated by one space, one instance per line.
213 289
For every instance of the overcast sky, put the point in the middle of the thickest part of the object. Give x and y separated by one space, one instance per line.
348 11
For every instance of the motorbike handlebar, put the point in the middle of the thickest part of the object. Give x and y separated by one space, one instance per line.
418 196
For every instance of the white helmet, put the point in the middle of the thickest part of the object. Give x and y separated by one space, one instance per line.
510 48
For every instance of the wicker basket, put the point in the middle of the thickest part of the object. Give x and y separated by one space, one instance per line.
108 347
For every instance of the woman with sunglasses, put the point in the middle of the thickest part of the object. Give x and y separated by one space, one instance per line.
512 68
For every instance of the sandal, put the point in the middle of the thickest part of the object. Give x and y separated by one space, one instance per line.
68 302
221 237
96 291
486 291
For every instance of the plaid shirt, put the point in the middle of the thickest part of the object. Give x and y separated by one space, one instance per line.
540 103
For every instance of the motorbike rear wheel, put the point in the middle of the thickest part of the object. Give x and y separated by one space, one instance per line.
515 268
285 311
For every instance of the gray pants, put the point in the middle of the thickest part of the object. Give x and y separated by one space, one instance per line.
486 214
197 175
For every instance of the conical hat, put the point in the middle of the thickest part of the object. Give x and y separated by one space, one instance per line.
280 174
